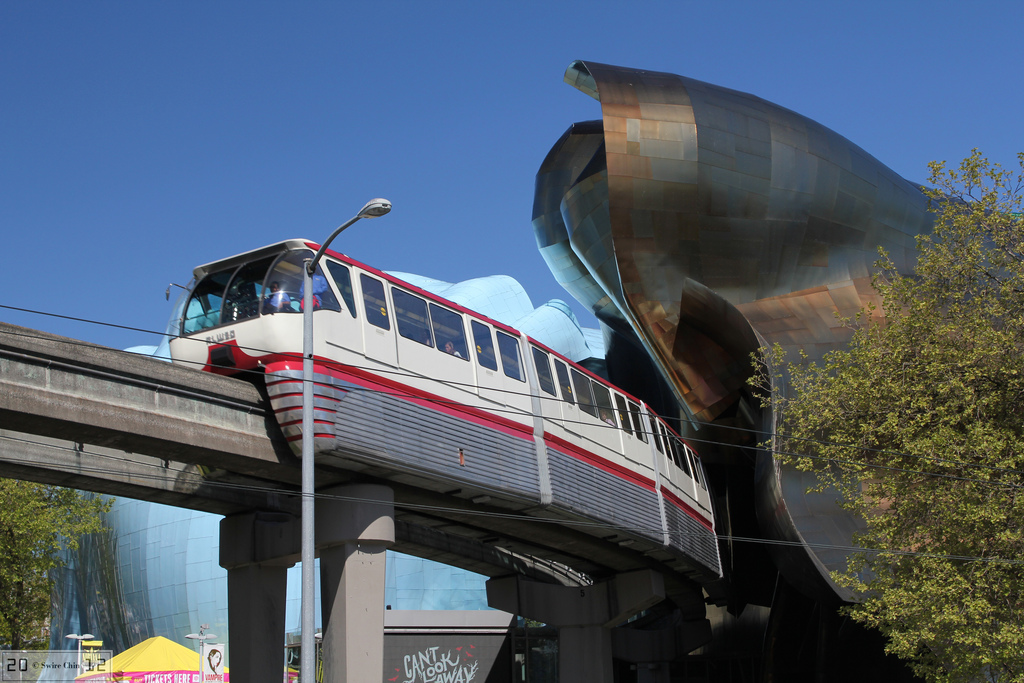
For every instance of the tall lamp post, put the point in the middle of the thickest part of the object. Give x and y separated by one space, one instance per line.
80 638
307 661
202 637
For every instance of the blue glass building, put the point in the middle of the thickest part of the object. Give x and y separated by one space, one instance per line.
155 569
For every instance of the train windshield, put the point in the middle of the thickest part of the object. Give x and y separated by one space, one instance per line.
264 286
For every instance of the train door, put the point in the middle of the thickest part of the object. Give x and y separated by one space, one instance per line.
489 377
378 329
546 383
517 390
570 412
345 330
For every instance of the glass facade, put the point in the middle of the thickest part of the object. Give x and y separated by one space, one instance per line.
155 571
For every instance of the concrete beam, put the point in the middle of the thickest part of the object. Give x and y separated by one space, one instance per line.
114 472
61 388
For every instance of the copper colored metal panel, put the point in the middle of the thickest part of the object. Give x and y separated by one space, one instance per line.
710 222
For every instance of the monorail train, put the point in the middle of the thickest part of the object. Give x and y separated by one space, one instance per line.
413 388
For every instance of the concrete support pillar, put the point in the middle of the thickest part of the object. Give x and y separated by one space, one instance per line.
584 616
354 526
257 548
650 651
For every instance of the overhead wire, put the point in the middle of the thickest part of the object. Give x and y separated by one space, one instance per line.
693 438
436 509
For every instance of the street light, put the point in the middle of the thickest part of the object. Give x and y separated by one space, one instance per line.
202 637
80 638
307 662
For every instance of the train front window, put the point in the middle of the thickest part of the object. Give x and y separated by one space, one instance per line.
375 305
448 331
484 346
203 309
283 289
508 346
411 317
245 292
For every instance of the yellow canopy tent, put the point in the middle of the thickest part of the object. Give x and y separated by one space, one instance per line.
156 660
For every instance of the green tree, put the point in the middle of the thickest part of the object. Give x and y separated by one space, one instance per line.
920 422
35 520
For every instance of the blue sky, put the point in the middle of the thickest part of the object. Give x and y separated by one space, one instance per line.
140 139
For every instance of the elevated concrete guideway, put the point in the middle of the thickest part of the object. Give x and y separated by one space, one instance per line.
93 418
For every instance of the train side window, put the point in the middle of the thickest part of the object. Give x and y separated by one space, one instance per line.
671 445
449 331
411 317
638 424
659 437
604 404
508 347
203 309
563 382
343 279
484 346
620 404
374 303
540 360
682 460
584 395
698 473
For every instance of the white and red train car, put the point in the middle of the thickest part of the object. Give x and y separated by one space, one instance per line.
415 389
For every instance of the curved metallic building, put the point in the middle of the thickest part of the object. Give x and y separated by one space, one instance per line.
701 223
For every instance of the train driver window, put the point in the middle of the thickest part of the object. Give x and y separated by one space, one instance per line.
484 346
343 279
203 309
585 397
244 294
283 289
620 405
547 382
604 404
375 305
563 382
411 317
508 347
448 331
638 424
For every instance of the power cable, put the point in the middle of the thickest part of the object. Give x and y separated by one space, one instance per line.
399 373
162 475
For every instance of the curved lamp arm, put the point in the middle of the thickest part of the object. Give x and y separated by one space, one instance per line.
373 208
